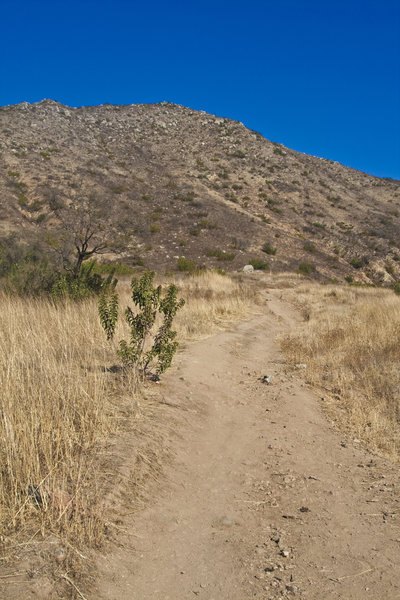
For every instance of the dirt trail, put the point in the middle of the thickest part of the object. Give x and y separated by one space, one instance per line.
264 499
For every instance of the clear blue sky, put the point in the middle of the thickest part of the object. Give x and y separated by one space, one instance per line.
320 76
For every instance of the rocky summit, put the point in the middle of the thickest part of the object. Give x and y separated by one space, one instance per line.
177 184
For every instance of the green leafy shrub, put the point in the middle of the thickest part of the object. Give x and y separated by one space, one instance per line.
306 268
187 266
205 224
108 313
259 264
357 263
145 346
117 268
396 288
268 249
221 255
25 272
309 248
87 283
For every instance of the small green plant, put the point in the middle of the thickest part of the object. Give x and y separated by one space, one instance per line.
118 268
205 224
187 266
389 269
309 248
220 255
108 313
259 264
145 346
396 288
268 249
87 283
306 268
357 263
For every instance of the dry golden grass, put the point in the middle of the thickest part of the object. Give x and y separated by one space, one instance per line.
60 403
212 302
350 343
55 408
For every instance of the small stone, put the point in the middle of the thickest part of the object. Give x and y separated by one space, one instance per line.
248 269
291 588
60 555
300 366
224 522
285 553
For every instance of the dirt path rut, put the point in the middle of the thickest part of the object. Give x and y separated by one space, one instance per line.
264 499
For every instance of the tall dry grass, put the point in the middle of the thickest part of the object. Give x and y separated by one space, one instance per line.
55 408
350 341
212 302
60 402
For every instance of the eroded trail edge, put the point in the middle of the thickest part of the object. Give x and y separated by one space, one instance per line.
264 498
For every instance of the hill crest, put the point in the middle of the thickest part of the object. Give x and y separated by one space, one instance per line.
181 183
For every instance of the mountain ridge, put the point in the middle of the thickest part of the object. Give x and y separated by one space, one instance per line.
186 184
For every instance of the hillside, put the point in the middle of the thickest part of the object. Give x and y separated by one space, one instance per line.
183 183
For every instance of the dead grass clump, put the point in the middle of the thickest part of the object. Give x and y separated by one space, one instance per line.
350 342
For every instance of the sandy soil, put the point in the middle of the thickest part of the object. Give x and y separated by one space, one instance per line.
264 498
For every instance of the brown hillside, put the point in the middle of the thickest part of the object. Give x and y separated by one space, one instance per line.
183 183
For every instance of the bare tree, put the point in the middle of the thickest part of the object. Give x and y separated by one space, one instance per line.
84 229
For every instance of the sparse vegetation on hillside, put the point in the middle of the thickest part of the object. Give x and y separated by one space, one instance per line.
227 182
